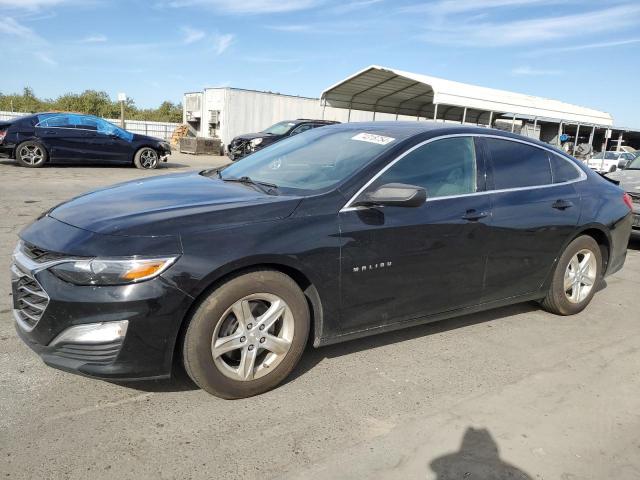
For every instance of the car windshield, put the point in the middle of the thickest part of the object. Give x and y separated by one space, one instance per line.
279 128
312 161
635 164
607 156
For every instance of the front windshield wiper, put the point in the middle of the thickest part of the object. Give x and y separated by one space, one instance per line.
264 187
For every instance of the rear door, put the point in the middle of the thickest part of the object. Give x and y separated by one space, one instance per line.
534 211
60 137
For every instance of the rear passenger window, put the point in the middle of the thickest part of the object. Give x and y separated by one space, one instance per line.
563 170
517 165
57 121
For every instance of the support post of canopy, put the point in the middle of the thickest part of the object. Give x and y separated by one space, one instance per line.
575 141
324 106
619 141
535 126
513 123
490 119
464 115
591 135
559 133
349 114
435 112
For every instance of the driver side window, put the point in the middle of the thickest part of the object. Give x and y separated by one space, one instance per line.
443 168
300 129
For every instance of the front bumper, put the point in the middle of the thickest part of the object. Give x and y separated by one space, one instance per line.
154 310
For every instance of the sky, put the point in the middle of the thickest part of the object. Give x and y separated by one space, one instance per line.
585 52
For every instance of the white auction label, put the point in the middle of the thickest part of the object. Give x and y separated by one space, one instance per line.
371 138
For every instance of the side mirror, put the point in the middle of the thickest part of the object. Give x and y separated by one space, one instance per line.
395 195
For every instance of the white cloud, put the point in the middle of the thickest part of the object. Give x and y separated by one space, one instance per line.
98 38
290 28
356 5
10 26
448 7
585 46
30 4
521 32
192 35
222 42
43 57
534 72
248 6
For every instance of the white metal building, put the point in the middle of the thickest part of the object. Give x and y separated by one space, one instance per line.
227 112
380 93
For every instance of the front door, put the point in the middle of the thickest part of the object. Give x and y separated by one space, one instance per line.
399 263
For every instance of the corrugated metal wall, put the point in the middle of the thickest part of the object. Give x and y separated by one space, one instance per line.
247 111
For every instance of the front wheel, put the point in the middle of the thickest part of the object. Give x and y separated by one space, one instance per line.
247 335
146 158
576 277
31 154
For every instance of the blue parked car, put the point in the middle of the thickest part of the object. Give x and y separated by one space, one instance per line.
36 140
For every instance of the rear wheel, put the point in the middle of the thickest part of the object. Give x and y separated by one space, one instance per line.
146 158
31 154
576 278
247 335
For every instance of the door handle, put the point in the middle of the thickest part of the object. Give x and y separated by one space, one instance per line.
562 204
474 215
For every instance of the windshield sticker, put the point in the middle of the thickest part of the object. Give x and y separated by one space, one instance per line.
371 138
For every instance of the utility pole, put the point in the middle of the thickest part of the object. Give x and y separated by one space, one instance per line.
122 97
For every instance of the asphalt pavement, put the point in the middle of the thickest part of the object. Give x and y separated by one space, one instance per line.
511 393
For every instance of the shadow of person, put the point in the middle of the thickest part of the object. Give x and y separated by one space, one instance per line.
477 459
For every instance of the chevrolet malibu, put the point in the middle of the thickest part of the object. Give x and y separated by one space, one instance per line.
337 233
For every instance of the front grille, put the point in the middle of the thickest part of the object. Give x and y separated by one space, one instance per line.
30 300
99 354
38 254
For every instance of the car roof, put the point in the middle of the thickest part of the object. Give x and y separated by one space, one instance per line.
406 129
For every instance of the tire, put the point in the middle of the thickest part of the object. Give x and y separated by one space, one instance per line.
31 154
563 299
146 159
218 349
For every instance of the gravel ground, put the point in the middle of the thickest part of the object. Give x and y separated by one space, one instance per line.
510 393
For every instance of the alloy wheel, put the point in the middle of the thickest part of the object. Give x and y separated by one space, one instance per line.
31 154
580 276
252 337
149 158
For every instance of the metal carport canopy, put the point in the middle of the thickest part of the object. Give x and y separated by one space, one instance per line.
387 90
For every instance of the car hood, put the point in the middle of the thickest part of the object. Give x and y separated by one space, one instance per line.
629 180
171 205
146 138
251 136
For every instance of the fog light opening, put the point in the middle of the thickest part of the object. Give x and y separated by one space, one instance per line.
91 333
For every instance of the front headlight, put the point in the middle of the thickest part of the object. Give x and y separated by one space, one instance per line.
255 142
99 271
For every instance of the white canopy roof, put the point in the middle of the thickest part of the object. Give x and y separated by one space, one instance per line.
381 89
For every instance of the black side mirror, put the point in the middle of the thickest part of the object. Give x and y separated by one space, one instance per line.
395 195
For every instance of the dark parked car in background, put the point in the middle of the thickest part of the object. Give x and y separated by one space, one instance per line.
338 233
243 145
36 140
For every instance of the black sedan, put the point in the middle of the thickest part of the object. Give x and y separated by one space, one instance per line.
247 143
337 233
36 140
